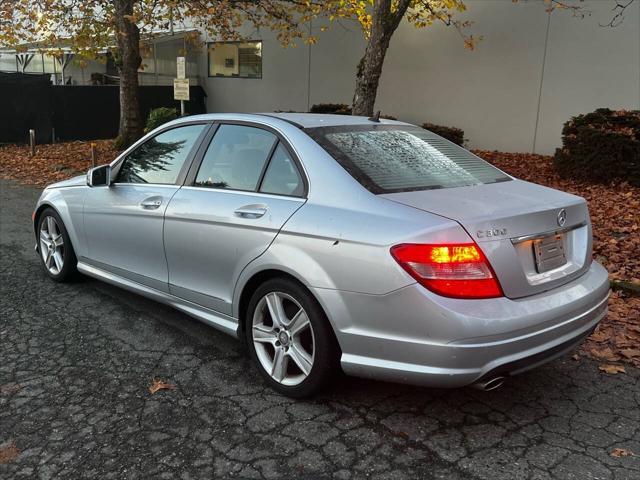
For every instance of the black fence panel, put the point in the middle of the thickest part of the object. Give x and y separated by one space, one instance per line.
25 103
85 112
74 112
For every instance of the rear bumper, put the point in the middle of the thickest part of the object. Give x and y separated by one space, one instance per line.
414 336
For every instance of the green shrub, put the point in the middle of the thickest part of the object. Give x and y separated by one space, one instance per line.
453 134
601 146
336 108
159 116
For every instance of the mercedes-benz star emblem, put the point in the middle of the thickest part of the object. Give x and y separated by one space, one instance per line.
562 217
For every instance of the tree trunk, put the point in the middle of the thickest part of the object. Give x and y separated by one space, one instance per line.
384 24
128 38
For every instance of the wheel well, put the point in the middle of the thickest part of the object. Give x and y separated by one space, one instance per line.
250 287
257 280
38 213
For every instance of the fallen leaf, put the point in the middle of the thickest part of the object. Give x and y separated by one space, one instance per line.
399 434
612 369
8 453
630 352
9 388
599 336
160 385
604 354
576 357
621 452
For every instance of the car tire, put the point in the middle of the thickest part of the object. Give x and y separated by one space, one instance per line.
306 345
54 244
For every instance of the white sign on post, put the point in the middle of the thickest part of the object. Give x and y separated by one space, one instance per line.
182 67
181 89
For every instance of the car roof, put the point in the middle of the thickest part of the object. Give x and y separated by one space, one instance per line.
312 120
300 120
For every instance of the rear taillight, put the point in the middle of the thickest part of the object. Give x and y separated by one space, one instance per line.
452 270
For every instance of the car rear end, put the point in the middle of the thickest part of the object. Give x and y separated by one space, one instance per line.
521 290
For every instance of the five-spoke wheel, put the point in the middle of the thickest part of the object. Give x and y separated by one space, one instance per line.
283 338
55 247
52 245
290 338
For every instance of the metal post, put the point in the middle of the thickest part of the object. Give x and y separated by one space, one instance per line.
94 156
32 141
182 112
155 61
53 135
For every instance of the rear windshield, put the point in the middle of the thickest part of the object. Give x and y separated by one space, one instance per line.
390 158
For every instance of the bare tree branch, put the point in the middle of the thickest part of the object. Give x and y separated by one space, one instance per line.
618 11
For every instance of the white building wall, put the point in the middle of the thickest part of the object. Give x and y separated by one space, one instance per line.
497 93
283 85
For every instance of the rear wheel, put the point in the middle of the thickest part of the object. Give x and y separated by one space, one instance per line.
290 338
54 246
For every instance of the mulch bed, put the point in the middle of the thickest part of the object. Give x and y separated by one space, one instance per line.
614 208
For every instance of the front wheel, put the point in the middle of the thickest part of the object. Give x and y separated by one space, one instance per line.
54 246
290 338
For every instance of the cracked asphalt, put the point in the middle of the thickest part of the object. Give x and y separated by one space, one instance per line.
76 361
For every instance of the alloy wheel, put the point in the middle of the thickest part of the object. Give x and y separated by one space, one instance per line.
283 338
52 245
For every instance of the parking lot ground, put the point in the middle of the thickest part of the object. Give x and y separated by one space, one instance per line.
76 361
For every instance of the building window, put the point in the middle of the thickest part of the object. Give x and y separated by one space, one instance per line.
235 59
8 62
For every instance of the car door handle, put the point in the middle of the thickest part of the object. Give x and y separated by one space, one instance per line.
251 211
151 202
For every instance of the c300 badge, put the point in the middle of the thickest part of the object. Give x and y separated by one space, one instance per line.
494 232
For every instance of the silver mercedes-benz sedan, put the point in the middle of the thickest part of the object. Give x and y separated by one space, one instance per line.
331 243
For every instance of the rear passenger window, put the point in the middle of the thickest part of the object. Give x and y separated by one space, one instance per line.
282 176
235 158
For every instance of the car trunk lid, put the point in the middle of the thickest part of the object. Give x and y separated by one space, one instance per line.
535 238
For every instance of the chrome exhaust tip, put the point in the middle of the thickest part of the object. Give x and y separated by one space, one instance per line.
490 384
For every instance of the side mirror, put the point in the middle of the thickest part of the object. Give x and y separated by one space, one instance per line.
99 176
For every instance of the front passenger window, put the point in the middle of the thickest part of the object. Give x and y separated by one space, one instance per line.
159 159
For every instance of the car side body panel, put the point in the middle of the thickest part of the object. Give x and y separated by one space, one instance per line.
207 244
125 237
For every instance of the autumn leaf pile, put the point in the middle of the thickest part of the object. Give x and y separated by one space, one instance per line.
615 216
614 209
52 163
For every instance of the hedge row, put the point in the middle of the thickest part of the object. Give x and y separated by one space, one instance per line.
601 146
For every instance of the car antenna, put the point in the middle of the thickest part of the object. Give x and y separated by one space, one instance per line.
375 117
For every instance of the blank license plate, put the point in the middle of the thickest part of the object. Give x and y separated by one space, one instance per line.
549 253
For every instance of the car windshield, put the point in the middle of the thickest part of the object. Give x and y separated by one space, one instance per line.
390 158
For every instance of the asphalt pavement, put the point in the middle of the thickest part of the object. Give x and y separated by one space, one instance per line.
76 361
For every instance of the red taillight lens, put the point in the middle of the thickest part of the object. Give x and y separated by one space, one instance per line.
452 270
